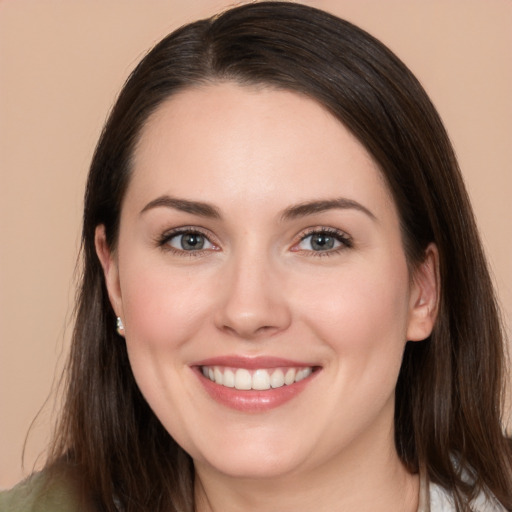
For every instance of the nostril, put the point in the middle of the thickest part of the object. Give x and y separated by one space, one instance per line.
250 333
249 309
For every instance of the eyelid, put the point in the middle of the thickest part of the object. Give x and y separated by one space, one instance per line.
163 239
344 238
340 235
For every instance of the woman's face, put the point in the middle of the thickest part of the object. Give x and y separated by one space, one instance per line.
262 282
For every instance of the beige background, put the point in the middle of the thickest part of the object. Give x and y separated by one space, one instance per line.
61 64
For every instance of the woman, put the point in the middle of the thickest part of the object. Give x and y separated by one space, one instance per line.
285 304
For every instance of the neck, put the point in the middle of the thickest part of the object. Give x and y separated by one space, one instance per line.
352 481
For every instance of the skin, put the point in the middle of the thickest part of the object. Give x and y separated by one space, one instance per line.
259 288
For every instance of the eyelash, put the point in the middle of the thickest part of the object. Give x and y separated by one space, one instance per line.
165 238
341 237
345 241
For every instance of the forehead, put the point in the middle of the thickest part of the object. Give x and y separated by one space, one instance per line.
252 141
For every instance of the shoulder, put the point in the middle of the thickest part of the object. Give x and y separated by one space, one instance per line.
45 492
441 500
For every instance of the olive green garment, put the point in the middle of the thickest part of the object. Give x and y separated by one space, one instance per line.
38 493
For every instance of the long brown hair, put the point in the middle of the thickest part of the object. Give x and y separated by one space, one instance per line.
450 389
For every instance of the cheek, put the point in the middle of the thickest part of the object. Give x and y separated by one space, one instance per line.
161 307
363 322
164 310
362 314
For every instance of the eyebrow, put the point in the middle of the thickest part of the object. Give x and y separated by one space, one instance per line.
312 207
292 212
183 205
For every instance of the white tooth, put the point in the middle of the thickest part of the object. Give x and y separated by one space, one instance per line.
211 374
302 374
289 378
299 376
243 379
277 379
205 371
229 379
218 375
261 380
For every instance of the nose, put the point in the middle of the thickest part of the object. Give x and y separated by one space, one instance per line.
252 301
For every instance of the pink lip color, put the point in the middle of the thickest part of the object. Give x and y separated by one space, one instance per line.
251 363
252 401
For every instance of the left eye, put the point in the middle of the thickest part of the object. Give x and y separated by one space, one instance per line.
190 241
322 241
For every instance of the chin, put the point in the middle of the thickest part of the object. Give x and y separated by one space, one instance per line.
253 468
252 460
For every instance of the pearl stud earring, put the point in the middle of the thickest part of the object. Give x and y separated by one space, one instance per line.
120 326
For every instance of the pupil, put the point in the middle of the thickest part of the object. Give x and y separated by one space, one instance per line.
192 241
319 242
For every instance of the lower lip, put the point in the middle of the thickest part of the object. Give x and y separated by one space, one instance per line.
253 400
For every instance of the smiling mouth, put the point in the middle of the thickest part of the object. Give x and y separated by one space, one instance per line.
260 379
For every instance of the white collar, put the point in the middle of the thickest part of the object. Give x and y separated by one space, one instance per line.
434 498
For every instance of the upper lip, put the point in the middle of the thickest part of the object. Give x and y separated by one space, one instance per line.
252 363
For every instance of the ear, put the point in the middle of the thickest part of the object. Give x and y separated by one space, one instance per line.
110 269
424 300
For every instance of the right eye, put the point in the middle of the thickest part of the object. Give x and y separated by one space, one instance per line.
187 241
